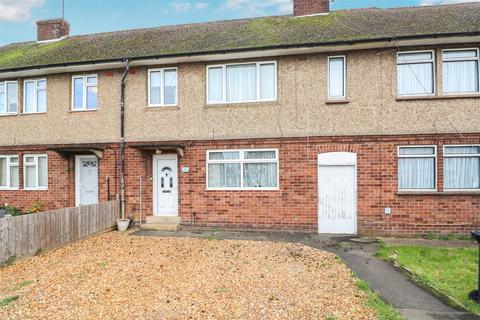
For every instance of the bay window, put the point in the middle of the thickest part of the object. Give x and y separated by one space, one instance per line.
35 172
242 169
460 71
162 87
461 167
84 93
337 77
416 73
8 97
417 167
35 96
243 82
9 172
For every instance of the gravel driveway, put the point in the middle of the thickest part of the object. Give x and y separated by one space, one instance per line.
116 276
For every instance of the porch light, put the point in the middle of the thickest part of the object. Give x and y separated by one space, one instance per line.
158 151
475 295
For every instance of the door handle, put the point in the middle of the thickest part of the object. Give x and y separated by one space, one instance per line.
166 191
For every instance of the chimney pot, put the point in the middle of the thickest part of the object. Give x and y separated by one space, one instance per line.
309 7
52 29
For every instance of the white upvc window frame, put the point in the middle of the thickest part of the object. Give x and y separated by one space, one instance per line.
257 78
84 98
459 60
435 156
162 88
242 161
344 97
434 72
35 91
34 164
459 155
5 98
9 164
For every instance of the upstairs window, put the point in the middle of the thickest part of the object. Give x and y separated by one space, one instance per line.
84 93
35 171
8 97
461 168
416 73
162 87
416 168
242 169
9 172
35 96
245 82
337 78
460 71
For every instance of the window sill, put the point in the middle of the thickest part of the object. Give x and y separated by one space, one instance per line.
35 189
241 104
443 97
8 114
31 113
85 110
162 108
438 193
9 189
337 101
242 189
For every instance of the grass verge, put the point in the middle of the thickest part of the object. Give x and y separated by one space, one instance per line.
450 271
383 310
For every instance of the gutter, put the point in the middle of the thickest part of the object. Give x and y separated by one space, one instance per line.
122 138
343 45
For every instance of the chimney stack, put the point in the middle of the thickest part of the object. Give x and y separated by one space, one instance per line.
309 7
52 29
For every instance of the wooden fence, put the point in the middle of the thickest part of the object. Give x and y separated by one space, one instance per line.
27 234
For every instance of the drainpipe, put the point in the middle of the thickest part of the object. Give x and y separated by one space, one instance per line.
122 139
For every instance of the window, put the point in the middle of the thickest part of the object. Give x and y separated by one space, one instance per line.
337 77
35 96
84 93
35 172
246 82
416 73
242 169
9 172
162 87
416 168
8 97
461 167
460 71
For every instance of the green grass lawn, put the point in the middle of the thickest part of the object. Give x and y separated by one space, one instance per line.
452 271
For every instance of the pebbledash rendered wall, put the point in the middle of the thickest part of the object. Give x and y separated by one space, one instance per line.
294 206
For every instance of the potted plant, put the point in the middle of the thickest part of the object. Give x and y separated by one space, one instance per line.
2 212
122 224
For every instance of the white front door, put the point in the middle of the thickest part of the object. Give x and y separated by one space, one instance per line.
165 185
337 193
86 176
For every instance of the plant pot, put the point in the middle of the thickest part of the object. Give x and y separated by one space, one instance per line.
2 213
122 224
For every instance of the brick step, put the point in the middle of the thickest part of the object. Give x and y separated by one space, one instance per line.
163 220
161 226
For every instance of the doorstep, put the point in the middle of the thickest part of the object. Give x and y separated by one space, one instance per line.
161 223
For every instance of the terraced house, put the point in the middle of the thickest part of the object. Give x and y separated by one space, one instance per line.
352 121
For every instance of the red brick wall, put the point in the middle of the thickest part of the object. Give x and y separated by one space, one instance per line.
294 206
61 179
306 7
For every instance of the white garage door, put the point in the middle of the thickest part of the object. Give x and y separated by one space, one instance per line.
337 193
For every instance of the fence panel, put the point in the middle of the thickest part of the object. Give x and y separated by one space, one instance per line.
27 234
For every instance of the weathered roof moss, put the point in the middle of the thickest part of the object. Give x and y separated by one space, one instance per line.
338 26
